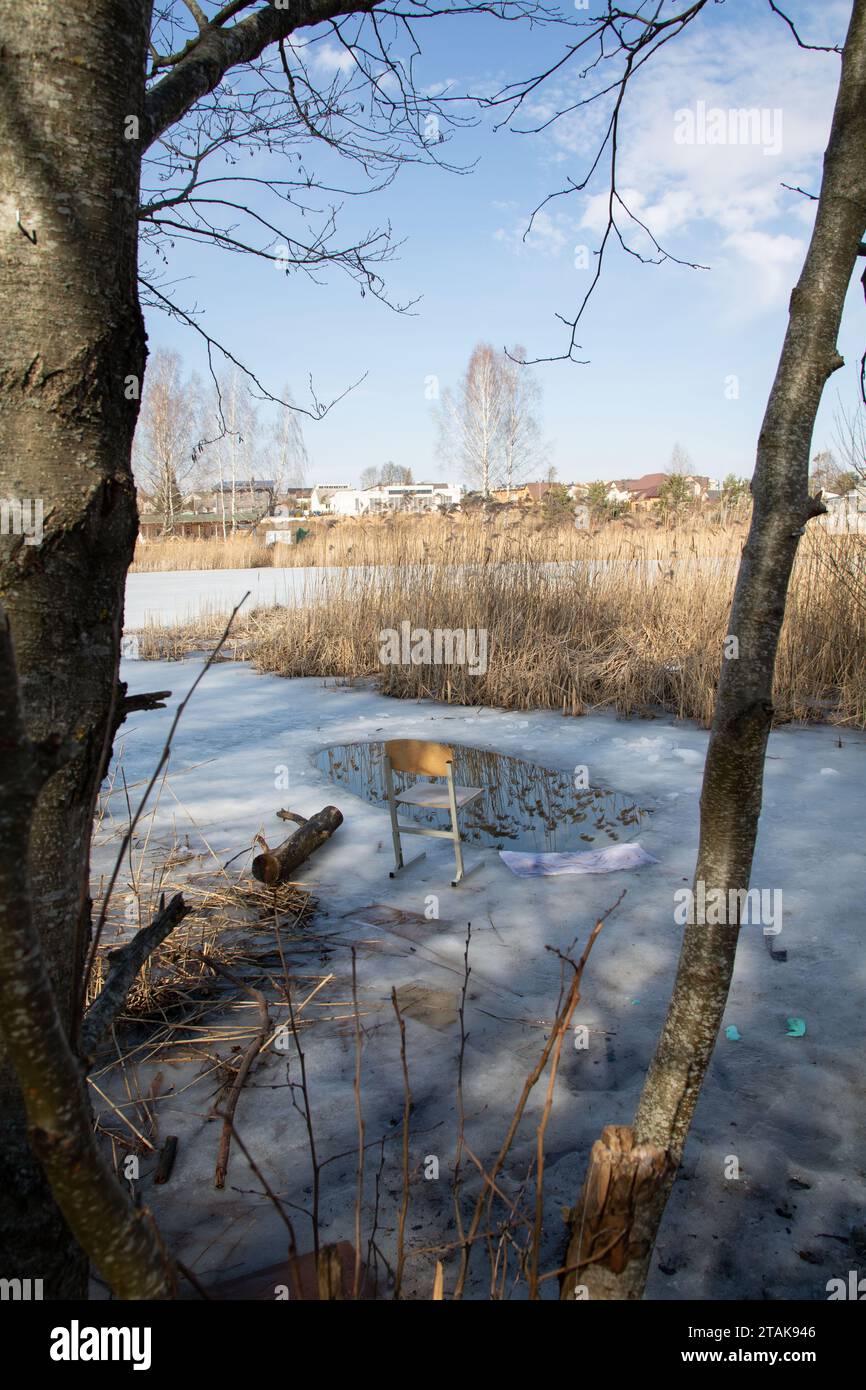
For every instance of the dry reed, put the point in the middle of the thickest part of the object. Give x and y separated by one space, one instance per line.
472 536
635 621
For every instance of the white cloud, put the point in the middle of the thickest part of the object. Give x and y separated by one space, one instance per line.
548 236
719 204
331 58
771 264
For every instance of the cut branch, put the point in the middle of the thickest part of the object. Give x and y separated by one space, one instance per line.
130 704
123 967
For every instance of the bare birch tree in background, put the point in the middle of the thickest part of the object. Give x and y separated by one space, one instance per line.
849 431
284 453
680 465
233 458
841 468
522 446
489 425
471 419
165 441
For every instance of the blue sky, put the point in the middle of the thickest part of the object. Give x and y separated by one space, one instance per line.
664 342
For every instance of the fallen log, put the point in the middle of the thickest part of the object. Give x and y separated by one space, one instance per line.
276 865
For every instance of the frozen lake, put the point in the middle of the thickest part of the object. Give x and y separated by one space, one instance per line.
176 596
788 1108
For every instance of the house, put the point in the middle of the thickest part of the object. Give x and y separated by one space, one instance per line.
249 494
645 491
297 498
254 494
253 487
537 492
846 512
520 493
322 495
294 503
195 525
412 497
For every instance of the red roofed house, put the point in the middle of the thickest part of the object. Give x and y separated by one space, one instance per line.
645 491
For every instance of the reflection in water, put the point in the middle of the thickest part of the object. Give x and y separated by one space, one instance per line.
524 806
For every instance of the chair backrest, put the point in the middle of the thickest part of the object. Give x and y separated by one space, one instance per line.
419 756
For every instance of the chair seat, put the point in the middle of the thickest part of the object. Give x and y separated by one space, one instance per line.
436 798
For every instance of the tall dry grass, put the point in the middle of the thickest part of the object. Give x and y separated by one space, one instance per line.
504 533
174 553
638 623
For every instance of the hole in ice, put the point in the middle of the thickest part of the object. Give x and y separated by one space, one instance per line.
524 806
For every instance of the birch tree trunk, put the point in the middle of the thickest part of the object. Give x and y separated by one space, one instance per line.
733 776
72 352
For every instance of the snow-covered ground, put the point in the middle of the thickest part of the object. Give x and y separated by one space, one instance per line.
788 1109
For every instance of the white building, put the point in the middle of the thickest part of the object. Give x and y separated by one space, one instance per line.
845 513
322 496
396 497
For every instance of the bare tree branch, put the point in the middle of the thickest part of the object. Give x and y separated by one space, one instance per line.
317 411
635 49
217 49
816 47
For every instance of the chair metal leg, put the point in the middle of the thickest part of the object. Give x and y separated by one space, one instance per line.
458 856
455 828
464 873
395 828
393 873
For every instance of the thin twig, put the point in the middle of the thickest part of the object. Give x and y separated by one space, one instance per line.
359 1114
528 1086
407 1110
243 1070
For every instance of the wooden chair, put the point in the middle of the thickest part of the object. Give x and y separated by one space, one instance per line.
425 760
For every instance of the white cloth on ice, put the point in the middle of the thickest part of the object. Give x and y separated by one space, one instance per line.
593 861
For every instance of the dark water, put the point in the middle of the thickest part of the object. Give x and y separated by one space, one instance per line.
524 806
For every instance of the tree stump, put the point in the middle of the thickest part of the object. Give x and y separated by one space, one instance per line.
609 1224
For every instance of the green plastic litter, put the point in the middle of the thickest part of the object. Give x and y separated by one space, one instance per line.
732 1033
796 1027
